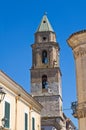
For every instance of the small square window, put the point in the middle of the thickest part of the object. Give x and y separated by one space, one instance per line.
44 38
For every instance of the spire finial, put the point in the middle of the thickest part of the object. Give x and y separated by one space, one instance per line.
45 13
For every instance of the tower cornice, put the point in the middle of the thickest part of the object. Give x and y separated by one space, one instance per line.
56 68
50 44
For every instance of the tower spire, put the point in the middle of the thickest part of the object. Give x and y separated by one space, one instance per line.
45 25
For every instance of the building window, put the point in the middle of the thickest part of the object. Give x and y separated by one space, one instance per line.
26 121
44 57
44 38
44 82
33 123
7 114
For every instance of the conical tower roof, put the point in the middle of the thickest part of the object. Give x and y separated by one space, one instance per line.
45 25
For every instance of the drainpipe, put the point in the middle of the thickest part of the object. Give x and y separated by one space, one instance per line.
30 119
16 103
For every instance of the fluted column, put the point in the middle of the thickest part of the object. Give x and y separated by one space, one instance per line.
77 42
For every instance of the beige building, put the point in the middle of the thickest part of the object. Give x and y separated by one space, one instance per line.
18 109
77 42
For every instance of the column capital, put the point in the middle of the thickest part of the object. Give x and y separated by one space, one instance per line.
80 51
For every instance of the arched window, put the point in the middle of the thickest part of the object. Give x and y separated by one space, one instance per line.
44 82
44 57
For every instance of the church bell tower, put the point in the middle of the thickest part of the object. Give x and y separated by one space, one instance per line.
46 75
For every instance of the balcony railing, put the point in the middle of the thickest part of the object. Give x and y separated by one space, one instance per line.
79 109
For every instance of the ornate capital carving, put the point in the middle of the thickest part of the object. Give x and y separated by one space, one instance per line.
81 51
81 113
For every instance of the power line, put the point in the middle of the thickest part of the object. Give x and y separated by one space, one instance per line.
65 109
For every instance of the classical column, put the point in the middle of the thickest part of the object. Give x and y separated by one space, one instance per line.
77 42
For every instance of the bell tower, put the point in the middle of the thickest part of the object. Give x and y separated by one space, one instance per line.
46 75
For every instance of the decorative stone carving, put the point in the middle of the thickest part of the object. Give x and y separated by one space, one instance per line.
81 113
54 63
81 51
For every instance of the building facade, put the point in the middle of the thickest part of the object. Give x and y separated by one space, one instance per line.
77 42
18 110
46 76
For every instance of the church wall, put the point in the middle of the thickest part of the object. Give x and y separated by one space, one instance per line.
52 105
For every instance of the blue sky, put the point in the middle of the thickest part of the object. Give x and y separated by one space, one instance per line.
19 20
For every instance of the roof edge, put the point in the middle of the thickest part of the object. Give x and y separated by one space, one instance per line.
24 94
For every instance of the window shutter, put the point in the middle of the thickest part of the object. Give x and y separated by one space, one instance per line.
33 123
7 114
26 121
